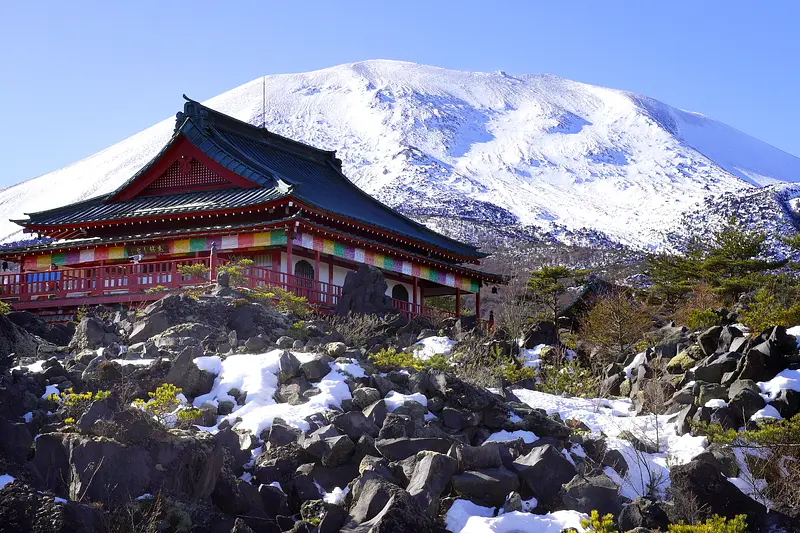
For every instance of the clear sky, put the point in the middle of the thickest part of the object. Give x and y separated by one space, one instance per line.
78 76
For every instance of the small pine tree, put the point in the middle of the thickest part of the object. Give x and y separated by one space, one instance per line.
546 285
729 262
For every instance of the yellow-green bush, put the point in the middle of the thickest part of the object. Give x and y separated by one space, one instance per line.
4 308
166 407
766 311
155 290
598 524
197 270
702 319
76 403
236 270
567 377
390 359
283 300
715 524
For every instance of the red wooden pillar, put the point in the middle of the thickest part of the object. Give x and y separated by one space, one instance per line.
414 298
212 262
330 285
23 286
101 281
458 302
315 287
421 298
288 261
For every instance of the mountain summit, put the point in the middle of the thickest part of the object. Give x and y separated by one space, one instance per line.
487 147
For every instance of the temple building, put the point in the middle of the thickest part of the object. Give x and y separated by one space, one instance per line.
222 189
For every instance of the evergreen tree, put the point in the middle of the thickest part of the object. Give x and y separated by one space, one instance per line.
730 261
547 284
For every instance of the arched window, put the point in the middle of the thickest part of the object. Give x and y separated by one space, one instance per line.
399 292
304 278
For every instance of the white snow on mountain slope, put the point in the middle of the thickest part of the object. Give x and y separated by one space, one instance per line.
529 150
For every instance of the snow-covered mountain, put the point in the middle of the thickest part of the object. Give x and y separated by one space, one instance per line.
490 148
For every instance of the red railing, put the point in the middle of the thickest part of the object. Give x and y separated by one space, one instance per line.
412 309
97 281
142 278
316 292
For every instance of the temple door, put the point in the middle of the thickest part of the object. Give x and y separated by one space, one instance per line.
304 279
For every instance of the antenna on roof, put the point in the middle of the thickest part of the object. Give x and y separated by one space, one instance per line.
264 102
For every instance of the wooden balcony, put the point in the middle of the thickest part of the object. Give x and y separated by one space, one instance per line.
70 288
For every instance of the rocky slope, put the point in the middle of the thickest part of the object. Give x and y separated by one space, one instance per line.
303 433
495 150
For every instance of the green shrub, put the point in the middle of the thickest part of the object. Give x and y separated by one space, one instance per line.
283 300
197 270
4 308
702 319
598 524
766 311
155 290
567 377
388 359
166 407
715 524
236 270
75 404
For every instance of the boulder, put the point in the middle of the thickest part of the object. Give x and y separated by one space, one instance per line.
22 509
787 403
364 292
542 333
89 334
713 368
584 494
149 326
354 424
186 375
643 512
488 487
700 487
543 471
288 367
316 369
709 340
380 506
432 473
401 448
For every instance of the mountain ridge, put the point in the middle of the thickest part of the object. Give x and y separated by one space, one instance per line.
527 150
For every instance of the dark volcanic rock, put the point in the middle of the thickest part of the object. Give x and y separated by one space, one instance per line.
598 492
381 506
364 292
544 470
487 487
23 509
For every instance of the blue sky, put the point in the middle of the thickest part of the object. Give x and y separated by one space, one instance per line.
76 77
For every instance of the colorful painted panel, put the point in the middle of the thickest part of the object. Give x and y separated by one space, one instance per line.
262 240
337 249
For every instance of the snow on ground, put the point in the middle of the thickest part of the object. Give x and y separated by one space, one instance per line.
394 400
50 389
503 436
430 346
532 356
612 417
133 362
636 363
5 479
467 517
33 368
768 412
254 374
796 332
788 379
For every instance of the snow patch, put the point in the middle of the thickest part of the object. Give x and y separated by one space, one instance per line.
504 436
467 517
254 374
394 400
430 346
788 379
